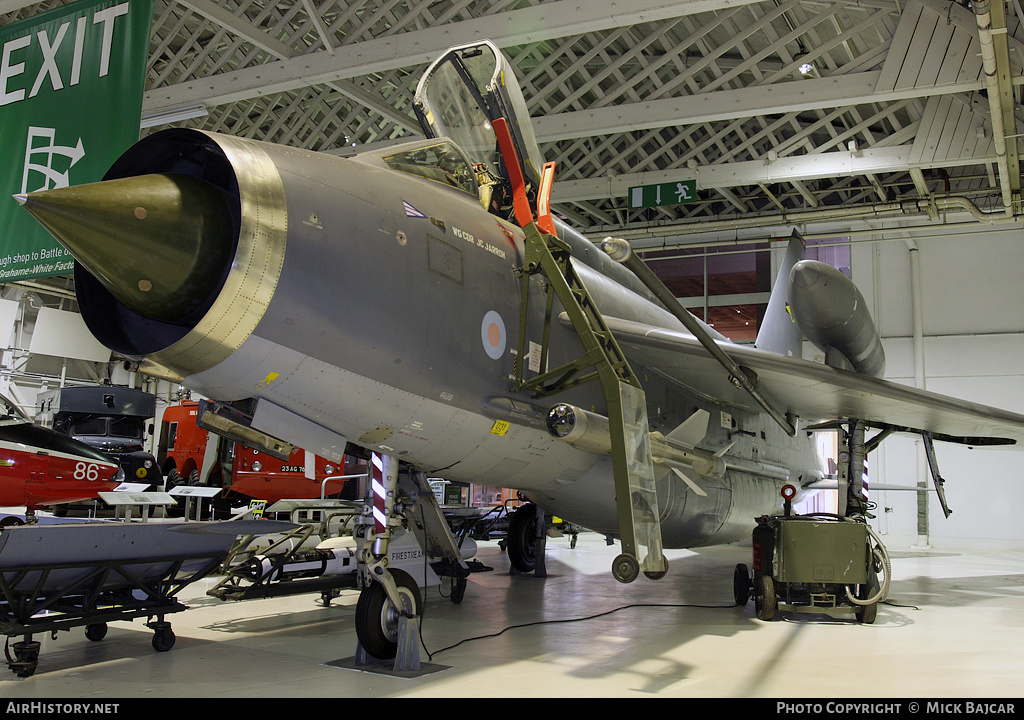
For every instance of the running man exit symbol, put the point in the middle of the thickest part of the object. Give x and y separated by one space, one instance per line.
673 193
52 177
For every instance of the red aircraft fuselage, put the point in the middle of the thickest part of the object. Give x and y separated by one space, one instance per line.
40 467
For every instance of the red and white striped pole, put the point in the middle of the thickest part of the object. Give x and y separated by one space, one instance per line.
377 483
384 483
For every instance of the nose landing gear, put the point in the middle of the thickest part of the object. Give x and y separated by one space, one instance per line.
381 625
390 603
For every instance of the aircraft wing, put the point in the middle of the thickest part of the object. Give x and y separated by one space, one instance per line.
814 392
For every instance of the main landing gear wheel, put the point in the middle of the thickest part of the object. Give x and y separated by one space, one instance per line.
741 585
458 590
377 618
521 538
625 568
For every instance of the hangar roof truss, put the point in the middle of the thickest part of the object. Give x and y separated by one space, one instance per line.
893 109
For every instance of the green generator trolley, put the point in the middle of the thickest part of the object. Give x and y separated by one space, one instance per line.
818 563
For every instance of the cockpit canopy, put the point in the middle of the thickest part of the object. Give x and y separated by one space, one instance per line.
463 92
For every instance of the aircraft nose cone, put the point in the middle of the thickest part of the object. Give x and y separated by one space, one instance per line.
160 244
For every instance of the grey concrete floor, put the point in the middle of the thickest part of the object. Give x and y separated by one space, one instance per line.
953 627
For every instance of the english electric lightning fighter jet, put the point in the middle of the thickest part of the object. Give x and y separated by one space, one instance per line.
420 303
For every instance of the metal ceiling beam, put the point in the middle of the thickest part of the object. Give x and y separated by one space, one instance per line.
732 43
737 174
517 27
695 232
9 6
354 92
322 30
240 27
807 195
811 94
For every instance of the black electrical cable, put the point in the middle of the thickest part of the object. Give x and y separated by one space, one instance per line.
430 655
423 613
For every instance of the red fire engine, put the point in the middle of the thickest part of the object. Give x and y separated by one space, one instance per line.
187 455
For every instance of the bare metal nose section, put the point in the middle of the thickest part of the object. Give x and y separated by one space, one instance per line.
178 252
160 244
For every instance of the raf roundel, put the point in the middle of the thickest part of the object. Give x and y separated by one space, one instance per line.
492 334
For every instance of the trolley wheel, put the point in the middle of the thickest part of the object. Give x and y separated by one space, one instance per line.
741 585
26 658
96 631
521 538
163 639
765 602
625 568
659 574
377 618
866 614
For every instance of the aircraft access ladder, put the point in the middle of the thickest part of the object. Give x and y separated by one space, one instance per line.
545 253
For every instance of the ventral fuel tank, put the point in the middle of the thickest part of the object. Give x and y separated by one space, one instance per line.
833 315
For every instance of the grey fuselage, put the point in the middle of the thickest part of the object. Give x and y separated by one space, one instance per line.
387 313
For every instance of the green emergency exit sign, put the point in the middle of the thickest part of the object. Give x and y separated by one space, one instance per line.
673 193
71 87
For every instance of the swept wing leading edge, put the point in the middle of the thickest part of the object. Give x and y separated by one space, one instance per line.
814 392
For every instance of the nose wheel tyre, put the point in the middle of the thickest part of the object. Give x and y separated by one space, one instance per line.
377 618
657 574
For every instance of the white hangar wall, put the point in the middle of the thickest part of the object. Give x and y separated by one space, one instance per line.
972 320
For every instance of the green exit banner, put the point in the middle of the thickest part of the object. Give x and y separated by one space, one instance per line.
71 85
673 193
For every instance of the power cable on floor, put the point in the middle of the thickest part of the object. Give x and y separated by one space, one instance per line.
430 655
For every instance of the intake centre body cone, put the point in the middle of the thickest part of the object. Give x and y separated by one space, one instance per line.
158 243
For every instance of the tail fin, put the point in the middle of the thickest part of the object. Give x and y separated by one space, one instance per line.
778 333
